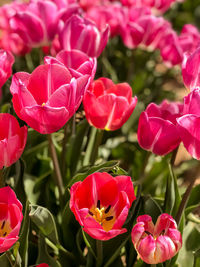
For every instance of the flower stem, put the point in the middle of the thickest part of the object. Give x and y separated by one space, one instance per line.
173 158
2 182
184 200
99 248
58 176
63 153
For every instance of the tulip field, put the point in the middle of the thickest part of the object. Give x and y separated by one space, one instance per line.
100 133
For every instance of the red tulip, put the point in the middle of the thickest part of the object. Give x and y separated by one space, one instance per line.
10 218
101 203
6 62
82 34
12 140
47 98
156 243
107 105
157 129
43 265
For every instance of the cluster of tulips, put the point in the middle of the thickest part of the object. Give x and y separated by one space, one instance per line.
73 35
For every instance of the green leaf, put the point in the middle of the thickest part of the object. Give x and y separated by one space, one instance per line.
105 167
23 237
43 254
151 207
4 262
44 220
197 258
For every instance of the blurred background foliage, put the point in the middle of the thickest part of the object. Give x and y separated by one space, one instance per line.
119 153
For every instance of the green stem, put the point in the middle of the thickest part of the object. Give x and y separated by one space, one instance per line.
98 139
58 176
173 158
99 247
153 265
184 200
2 182
63 153
29 62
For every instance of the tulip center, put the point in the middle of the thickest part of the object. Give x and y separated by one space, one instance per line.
103 215
43 104
5 228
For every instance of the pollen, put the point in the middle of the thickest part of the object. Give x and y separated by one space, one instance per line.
5 228
103 215
43 104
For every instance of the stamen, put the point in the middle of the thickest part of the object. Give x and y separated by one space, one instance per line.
109 218
3 224
90 213
98 204
108 208
5 234
148 233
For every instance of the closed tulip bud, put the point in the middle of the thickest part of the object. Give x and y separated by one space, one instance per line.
6 62
12 140
157 130
107 105
82 34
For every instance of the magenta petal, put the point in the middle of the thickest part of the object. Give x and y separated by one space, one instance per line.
189 130
45 119
191 70
157 135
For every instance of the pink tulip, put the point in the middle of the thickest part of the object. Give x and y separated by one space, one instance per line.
47 98
189 124
160 6
6 62
156 243
157 131
43 265
111 14
12 140
12 42
189 38
101 203
82 34
191 70
10 218
170 48
38 24
107 105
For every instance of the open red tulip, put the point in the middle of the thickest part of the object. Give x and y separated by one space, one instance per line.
101 203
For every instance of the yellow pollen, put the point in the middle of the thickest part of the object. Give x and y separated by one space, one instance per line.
43 104
5 228
99 214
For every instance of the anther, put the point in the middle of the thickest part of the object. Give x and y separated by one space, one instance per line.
3 224
5 234
109 218
90 213
98 204
108 208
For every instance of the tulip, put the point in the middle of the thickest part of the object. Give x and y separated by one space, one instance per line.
189 38
12 140
37 24
82 34
6 62
11 218
111 14
191 70
43 265
107 105
101 203
189 124
47 98
156 243
157 131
